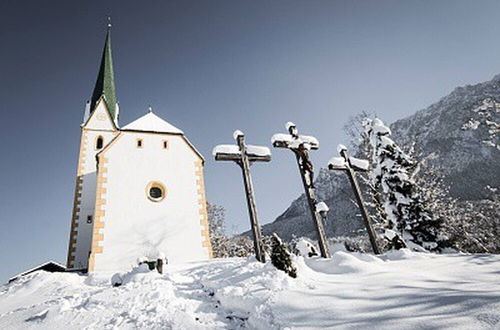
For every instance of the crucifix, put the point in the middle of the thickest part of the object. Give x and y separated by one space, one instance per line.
300 145
245 155
351 165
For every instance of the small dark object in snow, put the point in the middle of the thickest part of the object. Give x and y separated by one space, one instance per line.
280 256
116 280
397 243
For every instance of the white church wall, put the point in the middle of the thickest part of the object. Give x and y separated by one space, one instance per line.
81 235
133 225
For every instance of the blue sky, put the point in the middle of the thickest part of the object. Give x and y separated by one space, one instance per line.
210 67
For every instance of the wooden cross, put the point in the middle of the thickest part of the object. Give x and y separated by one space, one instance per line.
245 155
351 165
300 145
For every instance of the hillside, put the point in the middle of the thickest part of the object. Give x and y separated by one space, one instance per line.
467 163
399 290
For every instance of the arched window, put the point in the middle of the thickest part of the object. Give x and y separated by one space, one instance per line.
99 143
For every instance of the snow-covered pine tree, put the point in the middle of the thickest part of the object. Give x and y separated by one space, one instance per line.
281 256
408 221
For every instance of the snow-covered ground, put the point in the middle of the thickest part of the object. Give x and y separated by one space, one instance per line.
400 290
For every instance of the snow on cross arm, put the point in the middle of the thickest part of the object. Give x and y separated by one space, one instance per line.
309 139
229 149
359 164
283 138
337 163
288 140
258 151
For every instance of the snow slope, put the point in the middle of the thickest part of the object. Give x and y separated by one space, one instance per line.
400 290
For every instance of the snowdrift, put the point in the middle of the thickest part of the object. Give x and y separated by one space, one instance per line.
399 290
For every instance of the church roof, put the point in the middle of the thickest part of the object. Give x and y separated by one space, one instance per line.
152 123
105 83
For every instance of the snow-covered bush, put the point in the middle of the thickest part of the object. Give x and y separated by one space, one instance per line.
223 245
281 256
474 226
240 246
302 246
408 220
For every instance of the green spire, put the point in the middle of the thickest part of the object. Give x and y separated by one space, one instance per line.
105 84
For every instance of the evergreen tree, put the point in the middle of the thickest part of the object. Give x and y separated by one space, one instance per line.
281 257
408 220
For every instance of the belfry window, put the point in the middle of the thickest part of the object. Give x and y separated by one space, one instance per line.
99 143
139 143
165 144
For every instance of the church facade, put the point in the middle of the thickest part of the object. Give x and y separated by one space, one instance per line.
139 192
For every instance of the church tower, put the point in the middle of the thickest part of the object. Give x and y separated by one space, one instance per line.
99 127
139 190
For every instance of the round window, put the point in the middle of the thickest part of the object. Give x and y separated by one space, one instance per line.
155 191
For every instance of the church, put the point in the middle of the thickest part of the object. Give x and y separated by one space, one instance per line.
139 192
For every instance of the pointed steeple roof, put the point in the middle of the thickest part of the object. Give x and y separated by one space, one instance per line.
105 84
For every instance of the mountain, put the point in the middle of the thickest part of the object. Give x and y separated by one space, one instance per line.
468 164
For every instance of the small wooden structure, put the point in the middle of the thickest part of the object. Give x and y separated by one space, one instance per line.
49 266
245 155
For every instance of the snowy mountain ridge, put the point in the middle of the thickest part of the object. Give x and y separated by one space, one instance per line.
468 165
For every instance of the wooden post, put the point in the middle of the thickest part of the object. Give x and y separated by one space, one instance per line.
300 145
252 208
159 265
311 200
244 157
349 168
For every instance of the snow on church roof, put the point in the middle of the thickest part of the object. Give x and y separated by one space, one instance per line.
152 123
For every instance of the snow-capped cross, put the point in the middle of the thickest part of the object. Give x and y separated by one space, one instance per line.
351 165
244 155
300 145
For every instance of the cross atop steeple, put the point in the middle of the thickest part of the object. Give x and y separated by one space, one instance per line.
105 84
